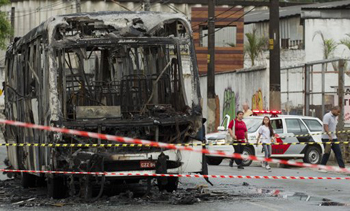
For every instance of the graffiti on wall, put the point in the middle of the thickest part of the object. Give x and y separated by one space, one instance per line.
229 106
237 103
258 101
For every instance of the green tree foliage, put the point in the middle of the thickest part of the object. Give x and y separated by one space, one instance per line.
329 45
346 41
5 27
254 45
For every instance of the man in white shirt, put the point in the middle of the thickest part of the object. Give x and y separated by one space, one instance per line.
329 126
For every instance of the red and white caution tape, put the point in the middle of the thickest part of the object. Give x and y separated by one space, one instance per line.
117 174
170 146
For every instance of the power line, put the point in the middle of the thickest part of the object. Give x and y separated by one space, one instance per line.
71 6
174 9
220 19
121 5
139 7
229 23
215 16
51 5
42 9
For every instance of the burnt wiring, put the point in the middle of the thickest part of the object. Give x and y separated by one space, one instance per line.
69 64
154 84
103 180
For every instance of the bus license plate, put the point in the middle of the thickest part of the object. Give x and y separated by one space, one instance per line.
147 164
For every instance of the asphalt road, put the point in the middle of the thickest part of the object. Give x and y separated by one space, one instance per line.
238 194
251 194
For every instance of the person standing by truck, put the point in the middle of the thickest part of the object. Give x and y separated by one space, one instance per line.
246 110
329 126
238 131
266 137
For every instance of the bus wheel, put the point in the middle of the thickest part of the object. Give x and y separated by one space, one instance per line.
28 180
214 161
170 185
57 187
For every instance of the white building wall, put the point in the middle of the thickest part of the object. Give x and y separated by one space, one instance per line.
288 58
289 28
335 29
244 83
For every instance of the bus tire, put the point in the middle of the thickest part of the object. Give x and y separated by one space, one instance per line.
57 187
170 186
214 161
28 180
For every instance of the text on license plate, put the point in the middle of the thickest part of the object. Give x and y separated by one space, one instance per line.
147 164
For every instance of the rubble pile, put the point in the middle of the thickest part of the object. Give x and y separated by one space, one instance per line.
13 194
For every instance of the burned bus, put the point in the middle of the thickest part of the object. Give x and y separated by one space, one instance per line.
130 74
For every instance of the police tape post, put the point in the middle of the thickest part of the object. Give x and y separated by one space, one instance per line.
120 174
170 146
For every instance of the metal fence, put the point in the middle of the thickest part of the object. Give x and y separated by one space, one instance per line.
313 88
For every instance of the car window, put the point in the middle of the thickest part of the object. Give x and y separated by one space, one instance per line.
313 125
277 126
303 127
252 124
295 126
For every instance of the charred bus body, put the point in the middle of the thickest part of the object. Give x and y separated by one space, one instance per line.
121 73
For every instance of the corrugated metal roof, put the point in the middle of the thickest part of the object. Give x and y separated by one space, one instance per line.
328 5
263 15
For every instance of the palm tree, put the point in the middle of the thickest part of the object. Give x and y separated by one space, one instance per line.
254 45
346 41
329 45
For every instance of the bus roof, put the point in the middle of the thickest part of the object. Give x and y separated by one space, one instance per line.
120 20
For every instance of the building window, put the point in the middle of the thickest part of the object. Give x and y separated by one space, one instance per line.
225 36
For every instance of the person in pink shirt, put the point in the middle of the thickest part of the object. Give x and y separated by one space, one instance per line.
240 135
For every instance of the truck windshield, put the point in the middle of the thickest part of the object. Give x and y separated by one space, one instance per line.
253 124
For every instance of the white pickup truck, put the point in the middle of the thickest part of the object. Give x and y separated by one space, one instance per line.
283 125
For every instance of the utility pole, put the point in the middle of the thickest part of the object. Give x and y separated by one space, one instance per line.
12 22
211 102
274 46
341 118
147 5
78 6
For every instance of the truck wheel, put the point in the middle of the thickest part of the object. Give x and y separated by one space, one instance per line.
57 187
313 155
247 151
28 180
214 161
170 186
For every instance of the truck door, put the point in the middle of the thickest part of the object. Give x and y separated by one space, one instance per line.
296 127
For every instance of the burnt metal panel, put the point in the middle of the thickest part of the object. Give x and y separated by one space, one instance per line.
96 112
